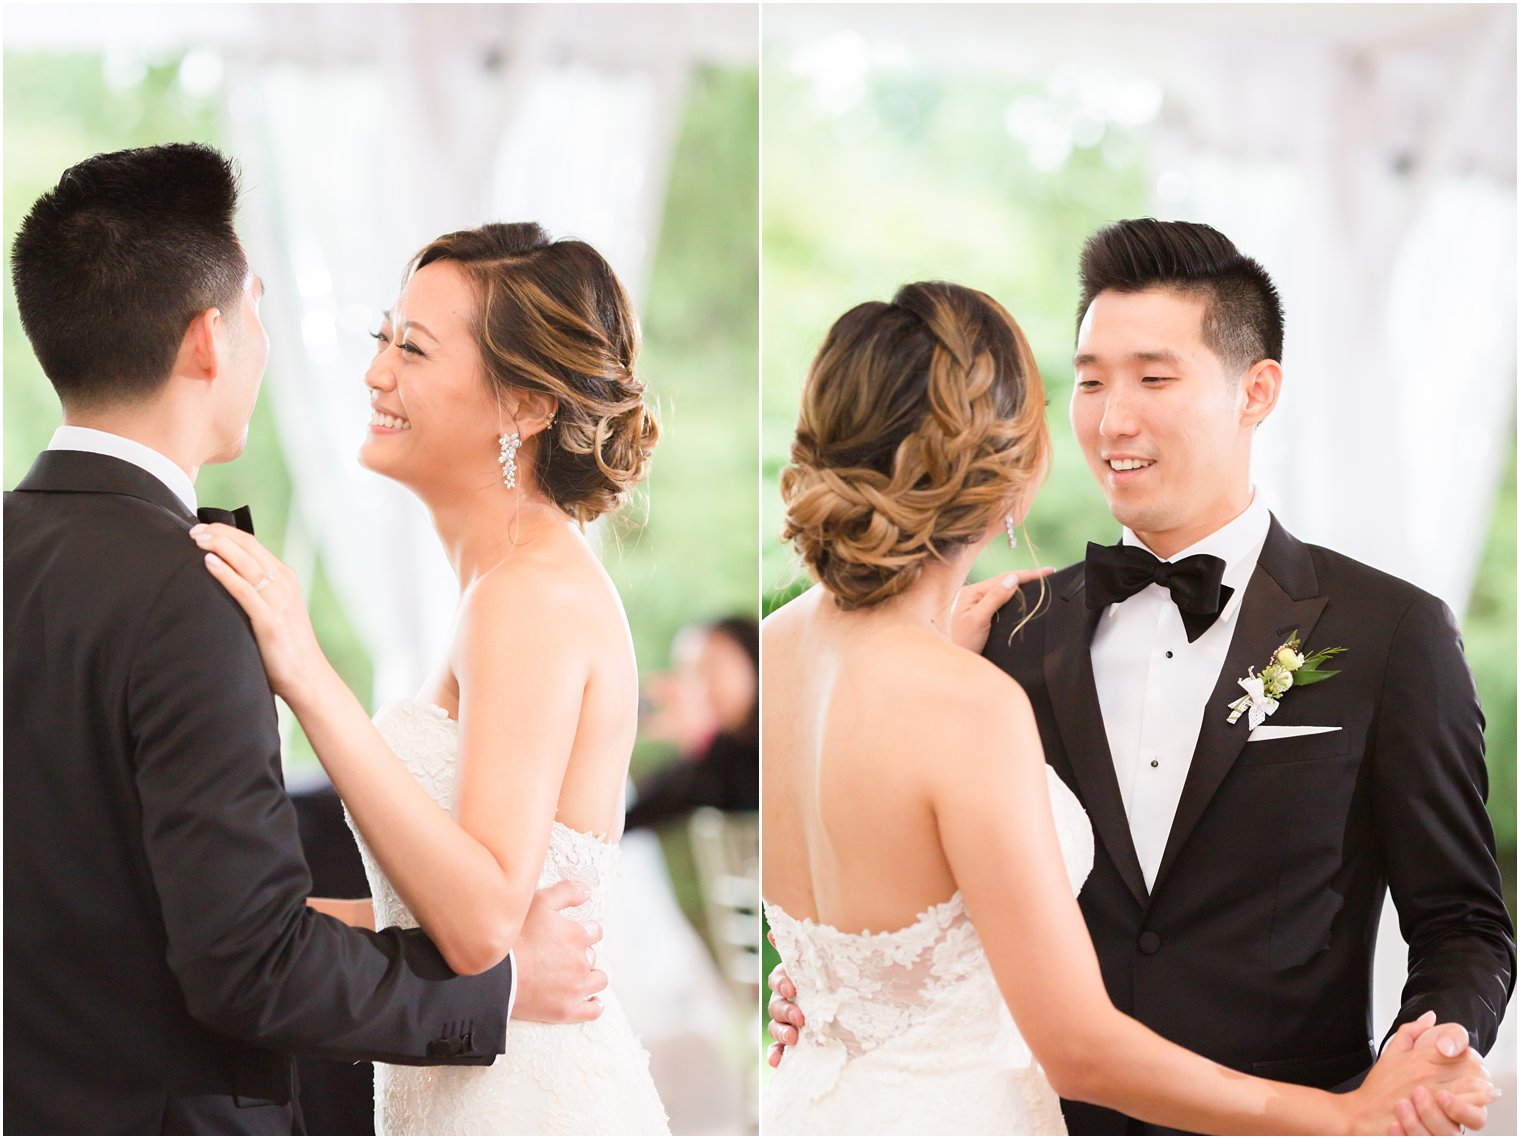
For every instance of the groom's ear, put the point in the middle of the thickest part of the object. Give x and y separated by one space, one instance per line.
202 350
1259 388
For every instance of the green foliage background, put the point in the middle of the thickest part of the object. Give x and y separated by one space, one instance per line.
919 179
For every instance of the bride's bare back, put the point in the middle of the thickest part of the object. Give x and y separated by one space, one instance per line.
861 710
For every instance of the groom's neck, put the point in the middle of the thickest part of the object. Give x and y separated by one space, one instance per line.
160 424
1176 538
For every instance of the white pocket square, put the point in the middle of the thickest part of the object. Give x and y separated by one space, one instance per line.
1268 732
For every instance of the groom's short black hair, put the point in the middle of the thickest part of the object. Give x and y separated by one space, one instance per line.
112 264
1243 320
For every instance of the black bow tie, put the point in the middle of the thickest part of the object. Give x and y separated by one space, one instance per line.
1115 573
241 517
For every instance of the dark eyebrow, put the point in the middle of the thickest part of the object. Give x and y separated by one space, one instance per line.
1158 356
422 328
1153 356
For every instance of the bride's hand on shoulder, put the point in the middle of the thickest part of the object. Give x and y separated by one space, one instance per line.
270 594
1415 1088
977 602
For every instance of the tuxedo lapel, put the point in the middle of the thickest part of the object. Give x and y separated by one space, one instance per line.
84 472
1074 699
1283 595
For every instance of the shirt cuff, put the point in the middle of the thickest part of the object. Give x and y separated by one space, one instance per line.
512 984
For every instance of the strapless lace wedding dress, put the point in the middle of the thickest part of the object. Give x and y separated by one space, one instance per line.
906 1031
552 1079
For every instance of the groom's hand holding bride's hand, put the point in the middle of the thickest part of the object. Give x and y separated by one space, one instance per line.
557 978
1440 1113
976 603
1427 1082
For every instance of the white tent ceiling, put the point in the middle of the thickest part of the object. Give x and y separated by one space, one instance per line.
600 34
1430 70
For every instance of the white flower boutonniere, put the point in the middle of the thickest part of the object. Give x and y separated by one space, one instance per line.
1287 668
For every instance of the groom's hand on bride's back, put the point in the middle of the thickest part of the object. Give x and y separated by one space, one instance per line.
786 1017
556 978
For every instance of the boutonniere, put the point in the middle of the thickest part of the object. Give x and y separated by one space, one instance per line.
1287 669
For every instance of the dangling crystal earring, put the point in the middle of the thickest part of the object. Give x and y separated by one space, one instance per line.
507 457
1013 539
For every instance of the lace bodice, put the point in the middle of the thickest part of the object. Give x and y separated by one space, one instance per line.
426 739
921 998
552 1079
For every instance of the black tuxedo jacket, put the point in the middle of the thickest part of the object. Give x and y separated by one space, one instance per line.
1255 946
160 961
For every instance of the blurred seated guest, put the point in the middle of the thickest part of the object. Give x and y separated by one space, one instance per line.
709 709
706 708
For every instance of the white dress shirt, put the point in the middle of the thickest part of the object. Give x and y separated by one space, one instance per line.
161 467
1154 687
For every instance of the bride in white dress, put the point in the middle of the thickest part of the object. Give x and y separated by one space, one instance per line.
503 395
920 861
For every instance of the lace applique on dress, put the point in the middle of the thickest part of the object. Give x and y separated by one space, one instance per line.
552 1079
906 1030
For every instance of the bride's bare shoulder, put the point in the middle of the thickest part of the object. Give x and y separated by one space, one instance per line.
969 688
554 587
786 623
962 721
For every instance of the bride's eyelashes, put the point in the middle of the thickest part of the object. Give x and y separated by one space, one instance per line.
382 338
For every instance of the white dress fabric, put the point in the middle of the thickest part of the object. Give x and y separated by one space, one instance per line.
552 1079
907 1032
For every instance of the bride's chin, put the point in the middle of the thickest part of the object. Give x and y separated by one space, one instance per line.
374 463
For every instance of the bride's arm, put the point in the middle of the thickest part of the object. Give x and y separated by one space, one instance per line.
468 879
992 810
522 663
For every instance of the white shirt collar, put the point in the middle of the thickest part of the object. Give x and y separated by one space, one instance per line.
1238 542
161 467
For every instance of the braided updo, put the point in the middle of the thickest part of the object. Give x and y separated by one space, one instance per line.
553 318
921 421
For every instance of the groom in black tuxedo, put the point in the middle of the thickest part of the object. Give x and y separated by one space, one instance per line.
161 963
1241 867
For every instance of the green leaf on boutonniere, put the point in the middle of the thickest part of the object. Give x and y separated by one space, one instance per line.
1314 660
1308 675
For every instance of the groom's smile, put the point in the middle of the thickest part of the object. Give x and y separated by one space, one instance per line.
1124 468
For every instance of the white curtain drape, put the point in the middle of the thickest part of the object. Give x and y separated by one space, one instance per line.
1368 188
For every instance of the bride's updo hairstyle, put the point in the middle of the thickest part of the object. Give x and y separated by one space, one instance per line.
553 318
921 421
